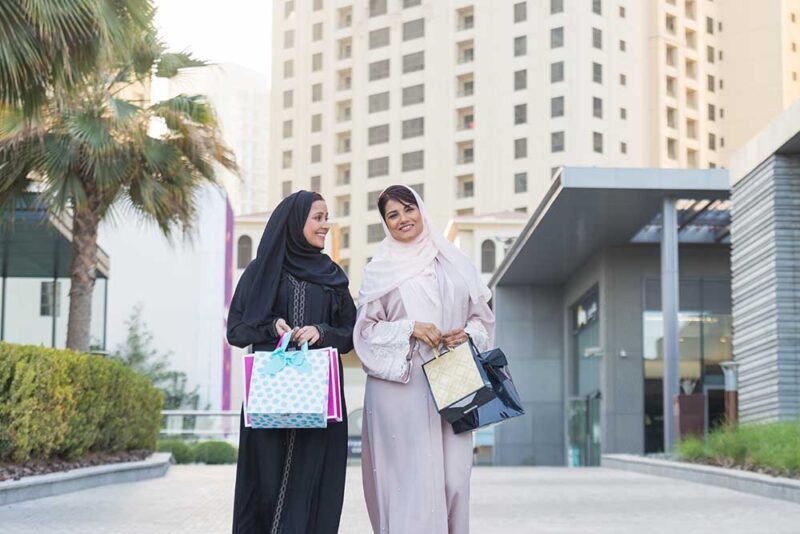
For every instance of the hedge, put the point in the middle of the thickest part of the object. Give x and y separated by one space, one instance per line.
63 404
206 452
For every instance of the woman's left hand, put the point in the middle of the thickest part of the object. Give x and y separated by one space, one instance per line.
453 338
304 334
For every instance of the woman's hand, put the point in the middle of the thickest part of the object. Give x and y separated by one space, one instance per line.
308 334
427 333
281 326
453 338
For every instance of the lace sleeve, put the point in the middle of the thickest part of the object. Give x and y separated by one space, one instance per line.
479 335
384 347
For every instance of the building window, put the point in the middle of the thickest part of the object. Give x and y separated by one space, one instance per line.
597 72
379 38
621 12
379 70
316 92
413 29
288 39
288 99
556 6
520 114
623 147
712 112
372 200
420 189
488 256
317 5
712 141
623 79
375 233
520 12
672 148
557 37
413 127
286 188
378 134
597 38
413 62
413 95
411 3
379 102
623 113
557 72
465 186
412 161
287 129
287 159
557 142
521 182
378 167
50 299
343 174
520 80
597 7
316 122
317 31
288 9
597 142
316 62
710 54
622 47
520 45
557 106
597 107
711 83
316 184
244 251
344 234
709 25
377 7
316 153
288 68
520 148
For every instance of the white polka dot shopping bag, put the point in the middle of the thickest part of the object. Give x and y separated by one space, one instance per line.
289 389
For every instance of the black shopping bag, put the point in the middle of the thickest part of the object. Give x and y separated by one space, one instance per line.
506 402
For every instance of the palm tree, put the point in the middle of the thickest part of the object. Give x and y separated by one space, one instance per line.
49 46
92 153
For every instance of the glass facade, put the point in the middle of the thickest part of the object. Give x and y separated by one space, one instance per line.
704 331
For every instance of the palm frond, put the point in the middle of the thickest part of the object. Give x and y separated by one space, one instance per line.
169 64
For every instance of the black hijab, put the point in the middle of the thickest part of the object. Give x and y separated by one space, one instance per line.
284 247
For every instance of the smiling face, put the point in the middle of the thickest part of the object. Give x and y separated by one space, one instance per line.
403 220
317 227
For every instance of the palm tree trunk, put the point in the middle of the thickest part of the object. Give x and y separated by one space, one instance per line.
82 272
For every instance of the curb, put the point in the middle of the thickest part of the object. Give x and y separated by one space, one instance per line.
38 486
786 489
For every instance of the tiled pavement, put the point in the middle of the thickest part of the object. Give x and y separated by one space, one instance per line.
197 499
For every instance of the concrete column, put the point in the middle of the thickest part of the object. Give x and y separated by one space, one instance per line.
669 309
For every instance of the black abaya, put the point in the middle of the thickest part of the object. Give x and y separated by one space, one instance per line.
292 481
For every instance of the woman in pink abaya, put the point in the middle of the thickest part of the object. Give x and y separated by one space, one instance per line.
419 294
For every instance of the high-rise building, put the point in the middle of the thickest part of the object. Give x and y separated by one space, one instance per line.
477 103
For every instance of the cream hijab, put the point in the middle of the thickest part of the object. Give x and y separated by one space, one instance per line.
395 262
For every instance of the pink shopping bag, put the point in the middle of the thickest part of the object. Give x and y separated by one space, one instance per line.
334 389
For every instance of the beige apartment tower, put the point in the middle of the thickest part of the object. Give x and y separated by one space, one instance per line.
477 103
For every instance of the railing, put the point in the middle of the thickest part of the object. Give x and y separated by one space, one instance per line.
200 424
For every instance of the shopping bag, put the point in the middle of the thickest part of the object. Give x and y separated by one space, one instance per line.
457 382
334 389
505 402
289 389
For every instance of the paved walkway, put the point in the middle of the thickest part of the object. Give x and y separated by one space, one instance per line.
197 500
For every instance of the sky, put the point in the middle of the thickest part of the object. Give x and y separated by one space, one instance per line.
234 31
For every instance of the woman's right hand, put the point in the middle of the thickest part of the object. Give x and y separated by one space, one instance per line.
427 333
282 327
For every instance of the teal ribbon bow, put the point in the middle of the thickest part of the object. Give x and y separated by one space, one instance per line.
280 359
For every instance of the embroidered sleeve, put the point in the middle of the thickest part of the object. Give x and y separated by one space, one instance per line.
384 347
479 335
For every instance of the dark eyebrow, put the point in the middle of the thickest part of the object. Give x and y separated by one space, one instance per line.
393 211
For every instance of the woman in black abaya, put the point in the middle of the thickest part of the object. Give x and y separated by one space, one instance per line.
292 481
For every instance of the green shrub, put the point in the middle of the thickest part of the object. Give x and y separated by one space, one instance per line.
182 452
214 452
774 446
60 403
691 450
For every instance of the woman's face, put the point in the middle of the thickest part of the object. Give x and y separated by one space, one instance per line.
403 220
317 227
